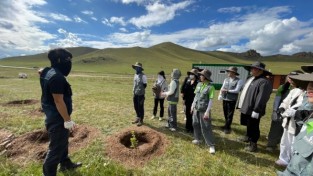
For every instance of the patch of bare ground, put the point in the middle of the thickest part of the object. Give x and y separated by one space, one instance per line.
32 146
21 102
150 144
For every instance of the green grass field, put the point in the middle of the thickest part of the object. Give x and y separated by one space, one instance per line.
106 104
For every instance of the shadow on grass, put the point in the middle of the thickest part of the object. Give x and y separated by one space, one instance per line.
224 143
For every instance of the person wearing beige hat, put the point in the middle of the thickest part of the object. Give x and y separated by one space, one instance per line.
201 109
187 92
140 84
252 103
229 94
301 162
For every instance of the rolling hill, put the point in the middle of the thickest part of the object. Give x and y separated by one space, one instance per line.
164 56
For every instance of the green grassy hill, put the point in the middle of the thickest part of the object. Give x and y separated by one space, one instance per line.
164 56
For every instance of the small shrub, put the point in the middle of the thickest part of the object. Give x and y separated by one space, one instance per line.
133 140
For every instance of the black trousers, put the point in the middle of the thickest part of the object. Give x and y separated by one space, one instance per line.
253 128
58 150
155 108
188 126
139 101
229 109
275 134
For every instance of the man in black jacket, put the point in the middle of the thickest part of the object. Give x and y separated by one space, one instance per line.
56 102
252 103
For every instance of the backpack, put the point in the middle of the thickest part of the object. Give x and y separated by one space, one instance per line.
156 89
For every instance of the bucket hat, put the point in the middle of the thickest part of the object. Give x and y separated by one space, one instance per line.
193 71
207 74
258 65
233 69
307 68
302 80
137 64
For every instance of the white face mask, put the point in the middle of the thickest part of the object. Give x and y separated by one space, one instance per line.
191 76
160 78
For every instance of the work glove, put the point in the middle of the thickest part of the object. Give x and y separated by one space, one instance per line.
289 113
69 125
255 115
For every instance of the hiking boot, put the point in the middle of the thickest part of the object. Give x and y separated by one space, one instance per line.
69 166
136 121
243 139
212 149
153 117
252 147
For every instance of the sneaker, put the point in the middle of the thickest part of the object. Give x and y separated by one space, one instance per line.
160 118
136 121
197 142
167 125
252 147
173 129
153 117
139 123
212 150
281 163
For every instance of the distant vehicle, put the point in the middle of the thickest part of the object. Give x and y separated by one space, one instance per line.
22 75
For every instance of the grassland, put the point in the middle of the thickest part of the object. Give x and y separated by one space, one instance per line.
102 84
106 103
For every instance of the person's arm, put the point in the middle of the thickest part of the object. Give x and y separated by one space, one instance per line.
238 87
171 90
211 96
221 90
61 107
265 90
144 80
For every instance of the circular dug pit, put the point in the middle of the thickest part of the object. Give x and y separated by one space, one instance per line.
150 144
21 102
34 145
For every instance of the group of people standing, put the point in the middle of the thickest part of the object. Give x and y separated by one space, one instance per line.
292 117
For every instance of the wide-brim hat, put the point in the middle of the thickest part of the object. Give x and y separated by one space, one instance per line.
302 80
233 69
258 65
307 68
193 71
207 74
137 64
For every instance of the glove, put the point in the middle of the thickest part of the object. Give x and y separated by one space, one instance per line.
69 125
255 115
281 110
220 98
290 112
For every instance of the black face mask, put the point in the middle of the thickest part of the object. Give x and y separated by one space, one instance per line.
64 67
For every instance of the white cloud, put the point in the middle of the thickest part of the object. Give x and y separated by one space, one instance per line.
87 12
133 1
94 18
158 14
230 10
60 17
123 29
77 19
68 40
19 27
114 20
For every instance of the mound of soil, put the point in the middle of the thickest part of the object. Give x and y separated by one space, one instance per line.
21 102
34 145
150 144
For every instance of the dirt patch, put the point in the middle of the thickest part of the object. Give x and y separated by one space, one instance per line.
34 145
21 102
150 144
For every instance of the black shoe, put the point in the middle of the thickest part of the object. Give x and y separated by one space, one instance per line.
243 139
253 147
69 166
136 121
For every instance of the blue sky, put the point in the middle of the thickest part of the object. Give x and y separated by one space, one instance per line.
268 26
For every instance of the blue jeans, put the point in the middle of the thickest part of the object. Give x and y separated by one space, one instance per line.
58 149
